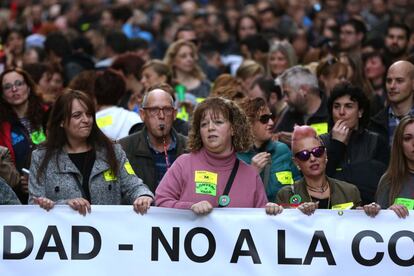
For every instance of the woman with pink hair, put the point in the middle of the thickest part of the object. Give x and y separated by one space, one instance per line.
316 190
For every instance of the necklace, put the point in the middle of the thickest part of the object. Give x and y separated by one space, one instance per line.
320 189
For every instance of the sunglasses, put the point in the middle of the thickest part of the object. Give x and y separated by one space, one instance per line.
264 119
304 155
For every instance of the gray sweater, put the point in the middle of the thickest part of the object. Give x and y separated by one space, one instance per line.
62 181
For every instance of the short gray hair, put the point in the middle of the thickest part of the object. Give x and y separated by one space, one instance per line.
297 76
145 99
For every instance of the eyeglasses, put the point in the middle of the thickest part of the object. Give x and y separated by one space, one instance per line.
304 155
155 111
17 84
264 119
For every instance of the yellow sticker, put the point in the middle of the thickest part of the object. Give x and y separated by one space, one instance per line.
343 206
320 128
129 168
104 121
284 177
205 177
109 175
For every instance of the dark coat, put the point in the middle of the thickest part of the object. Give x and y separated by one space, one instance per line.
361 162
319 118
140 156
379 124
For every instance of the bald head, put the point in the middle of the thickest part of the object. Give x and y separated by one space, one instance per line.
156 93
404 67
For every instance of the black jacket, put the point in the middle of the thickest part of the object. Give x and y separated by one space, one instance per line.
292 117
361 162
140 156
379 124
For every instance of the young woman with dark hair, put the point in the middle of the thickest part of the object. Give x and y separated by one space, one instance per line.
79 165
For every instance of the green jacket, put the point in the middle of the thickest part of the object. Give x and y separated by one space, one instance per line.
341 192
282 169
140 156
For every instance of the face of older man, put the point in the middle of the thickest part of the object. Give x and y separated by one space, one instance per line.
158 113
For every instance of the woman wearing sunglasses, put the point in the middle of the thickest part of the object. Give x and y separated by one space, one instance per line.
396 187
316 190
211 175
272 159
355 155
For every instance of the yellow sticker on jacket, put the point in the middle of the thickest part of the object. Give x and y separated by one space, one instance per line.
205 177
320 128
109 175
129 168
205 183
284 177
343 206
104 121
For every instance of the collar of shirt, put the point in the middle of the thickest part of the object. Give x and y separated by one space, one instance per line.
171 146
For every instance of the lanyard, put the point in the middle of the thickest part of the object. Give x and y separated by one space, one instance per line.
224 199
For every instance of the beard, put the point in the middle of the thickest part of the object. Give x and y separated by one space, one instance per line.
395 51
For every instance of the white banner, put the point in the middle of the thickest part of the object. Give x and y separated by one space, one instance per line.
114 240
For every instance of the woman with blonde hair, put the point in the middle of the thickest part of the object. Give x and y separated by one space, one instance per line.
182 58
247 73
281 57
211 175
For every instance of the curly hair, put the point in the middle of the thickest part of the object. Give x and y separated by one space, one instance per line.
242 138
252 108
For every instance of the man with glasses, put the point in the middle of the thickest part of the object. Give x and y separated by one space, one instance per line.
152 150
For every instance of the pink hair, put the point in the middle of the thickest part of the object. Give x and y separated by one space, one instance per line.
302 132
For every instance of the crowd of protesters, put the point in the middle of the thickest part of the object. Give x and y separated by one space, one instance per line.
286 104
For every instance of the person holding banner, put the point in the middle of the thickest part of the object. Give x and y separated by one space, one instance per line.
79 166
272 159
396 187
211 175
316 190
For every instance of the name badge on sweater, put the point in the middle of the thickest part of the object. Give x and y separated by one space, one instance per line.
343 206
409 203
129 168
109 175
205 183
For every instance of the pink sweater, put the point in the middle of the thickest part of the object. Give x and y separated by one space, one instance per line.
179 188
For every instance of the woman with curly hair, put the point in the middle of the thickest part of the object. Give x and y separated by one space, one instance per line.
272 159
211 175
21 118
